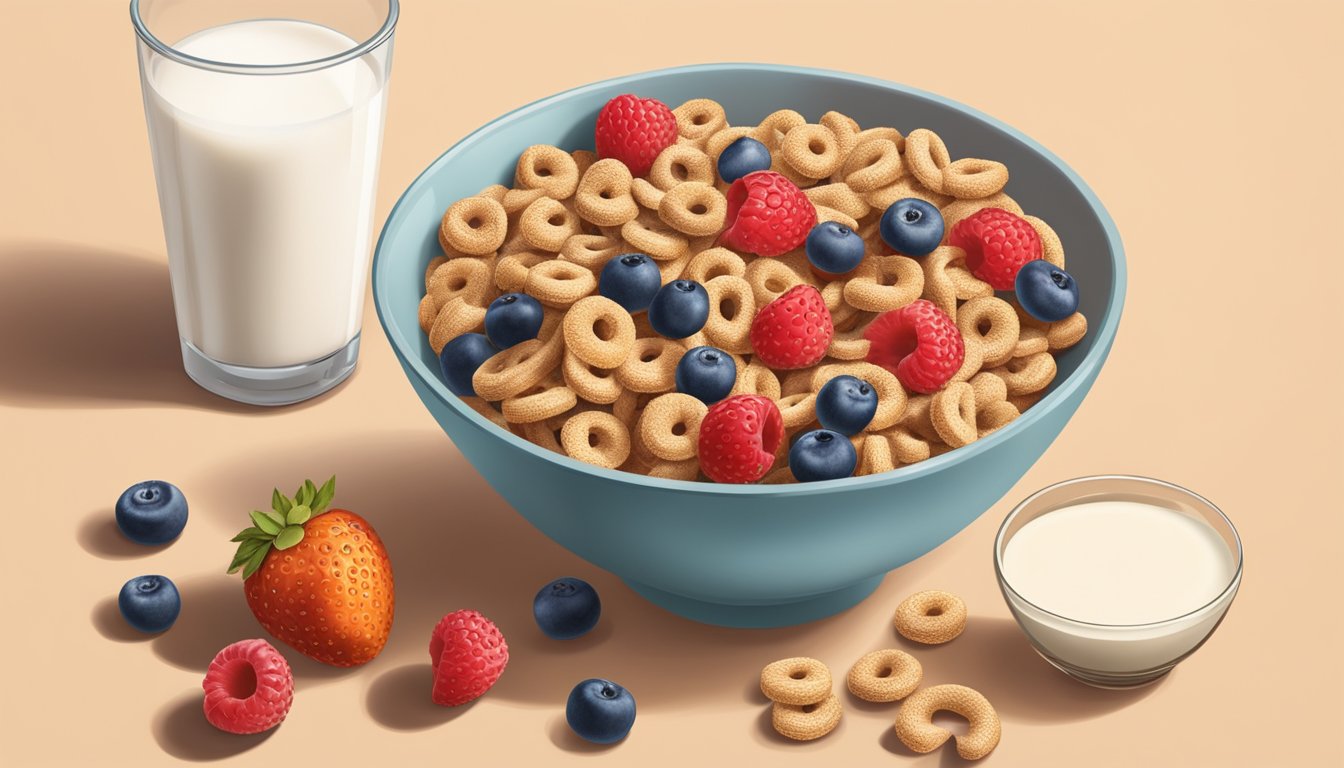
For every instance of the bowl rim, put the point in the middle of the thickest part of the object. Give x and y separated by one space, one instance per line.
1105 329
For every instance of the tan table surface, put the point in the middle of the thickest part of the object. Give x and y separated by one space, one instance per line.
1210 130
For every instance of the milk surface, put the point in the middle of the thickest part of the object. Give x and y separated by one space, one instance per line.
266 186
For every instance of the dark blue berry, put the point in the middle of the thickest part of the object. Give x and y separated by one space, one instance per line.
822 455
459 360
679 309
846 404
912 227
1045 291
152 512
566 608
631 280
150 603
746 155
600 711
707 374
832 247
512 319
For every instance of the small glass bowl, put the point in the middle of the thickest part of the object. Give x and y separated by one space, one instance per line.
1106 655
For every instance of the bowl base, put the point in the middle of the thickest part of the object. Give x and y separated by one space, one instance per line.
760 615
1110 681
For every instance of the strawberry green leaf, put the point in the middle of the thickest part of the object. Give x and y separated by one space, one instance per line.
298 515
309 492
254 562
245 552
266 522
251 533
324 496
291 535
279 502
276 517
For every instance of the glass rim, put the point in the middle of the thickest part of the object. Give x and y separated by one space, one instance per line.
1232 584
382 35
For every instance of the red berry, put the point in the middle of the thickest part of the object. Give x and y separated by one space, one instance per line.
469 654
794 330
248 688
767 215
997 243
739 437
918 343
634 131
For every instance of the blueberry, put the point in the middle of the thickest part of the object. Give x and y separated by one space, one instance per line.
911 226
512 319
150 603
822 455
600 711
707 374
566 608
459 360
1045 291
742 157
832 247
631 280
679 309
846 404
152 512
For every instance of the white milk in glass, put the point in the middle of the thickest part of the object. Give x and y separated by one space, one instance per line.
266 185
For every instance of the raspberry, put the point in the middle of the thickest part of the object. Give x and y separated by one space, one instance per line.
469 654
248 688
739 437
918 343
794 330
634 131
767 215
997 243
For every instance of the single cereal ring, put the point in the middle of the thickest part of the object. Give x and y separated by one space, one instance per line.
872 165
874 456
593 384
891 398
551 398
991 321
651 366
883 132
798 409
559 284
953 212
1030 341
927 156
775 126
732 307
674 269
1023 402
799 680
693 208
846 132
675 470
454 319
931 617
996 416
967 285
805 722
698 119
906 186
1025 375
812 150
849 345
583 159
917 420
938 285
989 389
428 311
511 371
796 382
883 283
709 264
434 264
972 177
599 332
516 200
465 277
720 139
670 426
784 169
952 411
511 271
906 447
604 194
487 410
830 214
546 224
495 192
646 195
649 235
915 728
592 252
1067 332
756 378
678 163
475 226
886 675
839 197
549 169
974 360
596 437
779 476
769 279
1052 248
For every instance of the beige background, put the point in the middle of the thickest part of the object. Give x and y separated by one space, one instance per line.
1211 131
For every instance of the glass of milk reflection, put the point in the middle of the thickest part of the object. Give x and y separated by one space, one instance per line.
265 124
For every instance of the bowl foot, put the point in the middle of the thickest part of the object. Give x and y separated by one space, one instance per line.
782 613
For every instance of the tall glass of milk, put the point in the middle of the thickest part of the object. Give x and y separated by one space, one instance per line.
265 124
1116 579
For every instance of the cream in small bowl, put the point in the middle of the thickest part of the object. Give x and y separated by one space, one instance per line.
1116 579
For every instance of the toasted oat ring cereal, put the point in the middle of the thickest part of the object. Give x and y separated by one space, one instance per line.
872 165
891 397
454 319
463 278
1027 375
678 163
756 378
603 195
971 177
917 420
915 728
732 307
973 361
992 322
882 132
675 470
772 130
996 416
805 722
559 284
432 267
799 680
475 226
549 169
596 385
846 131
552 399
906 447
931 617
769 279
812 150
651 366
428 311
599 332
938 285
830 214
957 210
849 345
952 411
1030 341
839 197
516 200
927 156
511 371
654 238
875 456
646 195
870 290
592 252
669 427
1052 248
693 208
511 271
906 186
596 437
546 224
495 192
989 389
1067 332
798 409
698 119
720 139
886 675
709 264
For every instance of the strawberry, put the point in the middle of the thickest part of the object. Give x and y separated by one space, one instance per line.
792 331
739 437
634 131
318 580
768 215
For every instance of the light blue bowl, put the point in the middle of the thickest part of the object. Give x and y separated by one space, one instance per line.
751 556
